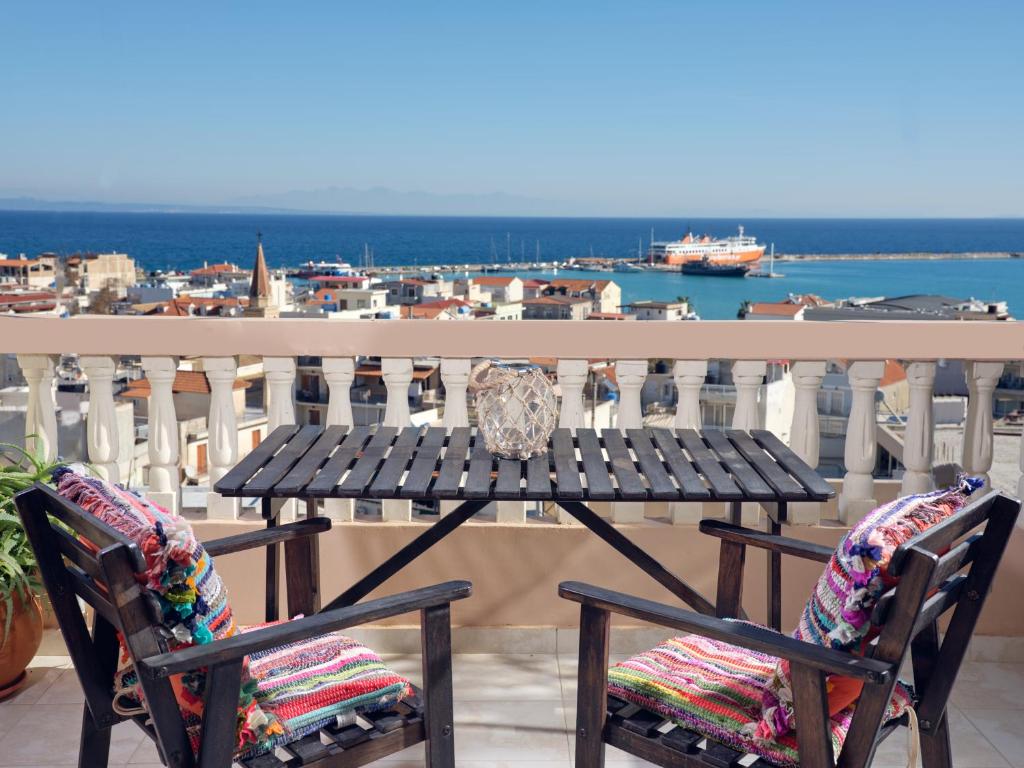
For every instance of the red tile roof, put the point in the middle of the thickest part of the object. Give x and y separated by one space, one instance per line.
214 269
497 281
780 310
189 382
579 285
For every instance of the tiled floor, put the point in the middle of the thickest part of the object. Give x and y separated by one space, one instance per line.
510 710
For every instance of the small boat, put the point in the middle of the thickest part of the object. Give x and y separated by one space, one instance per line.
626 266
714 269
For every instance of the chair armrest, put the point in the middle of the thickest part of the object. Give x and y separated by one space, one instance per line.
267 536
241 645
737 633
782 544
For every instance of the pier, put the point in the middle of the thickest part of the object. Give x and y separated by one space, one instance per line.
605 264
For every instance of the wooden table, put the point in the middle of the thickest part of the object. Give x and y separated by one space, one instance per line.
435 464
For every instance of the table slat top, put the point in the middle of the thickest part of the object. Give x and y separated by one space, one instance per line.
433 463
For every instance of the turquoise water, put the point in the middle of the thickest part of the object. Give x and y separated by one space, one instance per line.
719 298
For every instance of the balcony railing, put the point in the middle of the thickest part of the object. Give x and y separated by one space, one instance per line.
159 342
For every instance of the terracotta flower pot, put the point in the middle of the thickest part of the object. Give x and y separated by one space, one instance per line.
19 644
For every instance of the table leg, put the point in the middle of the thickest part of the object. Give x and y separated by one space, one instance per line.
302 570
776 517
637 556
273 572
736 512
407 554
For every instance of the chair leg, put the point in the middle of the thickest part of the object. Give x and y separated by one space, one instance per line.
94 747
592 688
935 748
437 686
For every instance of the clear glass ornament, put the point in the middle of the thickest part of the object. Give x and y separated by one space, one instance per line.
516 408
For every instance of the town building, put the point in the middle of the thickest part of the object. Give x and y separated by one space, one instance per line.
414 290
658 310
502 289
210 275
604 295
28 273
557 308
102 271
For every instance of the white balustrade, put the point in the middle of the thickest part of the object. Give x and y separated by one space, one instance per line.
397 375
101 424
41 412
860 452
748 378
572 378
164 451
919 436
982 378
339 372
222 430
689 376
455 377
279 373
280 376
631 375
804 435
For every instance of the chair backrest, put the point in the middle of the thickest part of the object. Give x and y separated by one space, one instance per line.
949 567
104 576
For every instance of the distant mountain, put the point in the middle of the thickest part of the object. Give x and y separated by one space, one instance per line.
92 206
383 200
330 200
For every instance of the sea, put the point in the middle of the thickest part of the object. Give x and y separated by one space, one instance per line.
188 240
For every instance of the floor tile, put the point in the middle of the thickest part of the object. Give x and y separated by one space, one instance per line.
65 689
496 732
492 676
985 685
970 748
1002 728
54 730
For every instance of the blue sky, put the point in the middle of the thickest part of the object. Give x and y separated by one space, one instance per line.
576 108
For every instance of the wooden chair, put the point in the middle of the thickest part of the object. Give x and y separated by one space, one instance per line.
106 581
941 570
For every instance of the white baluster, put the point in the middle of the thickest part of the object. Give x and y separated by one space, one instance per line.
748 377
804 434
164 480
222 428
280 375
397 375
572 378
339 372
919 437
689 376
860 451
455 377
631 375
982 378
41 413
101 423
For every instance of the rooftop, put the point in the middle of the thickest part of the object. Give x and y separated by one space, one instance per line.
185 382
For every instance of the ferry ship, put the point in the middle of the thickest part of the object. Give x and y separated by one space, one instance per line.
739 249
324 269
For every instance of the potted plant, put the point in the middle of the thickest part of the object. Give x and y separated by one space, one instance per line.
21 616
